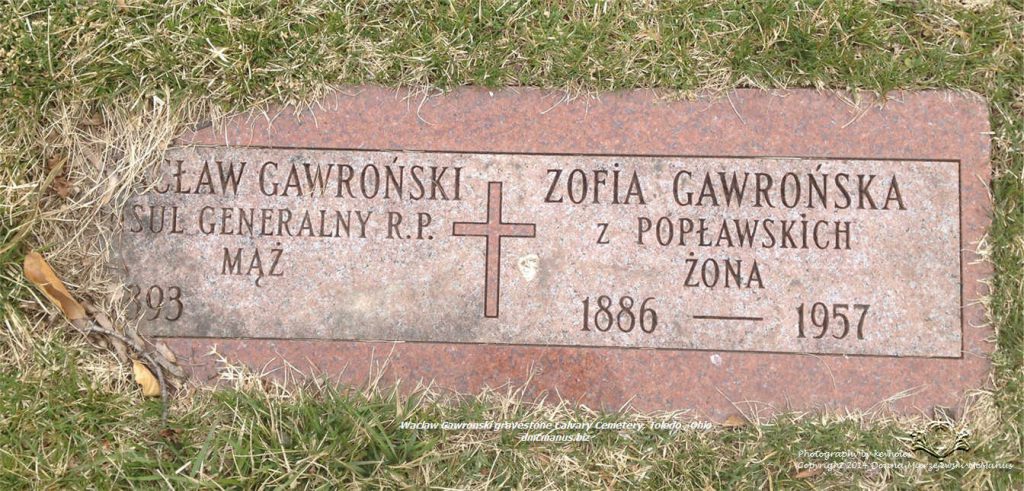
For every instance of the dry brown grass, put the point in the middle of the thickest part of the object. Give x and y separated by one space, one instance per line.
92 95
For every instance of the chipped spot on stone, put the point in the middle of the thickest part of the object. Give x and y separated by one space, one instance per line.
528 266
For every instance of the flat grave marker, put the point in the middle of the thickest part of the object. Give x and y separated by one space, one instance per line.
777 250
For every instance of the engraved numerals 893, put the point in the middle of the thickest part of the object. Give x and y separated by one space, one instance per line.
837 318
160 301
624 314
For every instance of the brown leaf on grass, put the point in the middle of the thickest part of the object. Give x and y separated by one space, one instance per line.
54 162
133 335
93 118
92 155
39 272
808 473
108 193
734 421
166 352
149 384
170 434
62 186
120 350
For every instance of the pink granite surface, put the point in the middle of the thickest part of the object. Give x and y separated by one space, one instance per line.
930 127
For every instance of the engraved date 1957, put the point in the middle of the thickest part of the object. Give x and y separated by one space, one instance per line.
832 318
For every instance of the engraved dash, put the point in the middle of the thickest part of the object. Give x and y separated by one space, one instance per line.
728 317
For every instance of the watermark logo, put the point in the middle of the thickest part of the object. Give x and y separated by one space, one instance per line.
940 440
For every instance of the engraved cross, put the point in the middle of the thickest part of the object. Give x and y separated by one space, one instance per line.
494 229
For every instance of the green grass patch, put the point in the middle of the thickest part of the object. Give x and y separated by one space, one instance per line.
72 74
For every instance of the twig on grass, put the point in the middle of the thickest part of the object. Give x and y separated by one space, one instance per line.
91 327
155 361
90 322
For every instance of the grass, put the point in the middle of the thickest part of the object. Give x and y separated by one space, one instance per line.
91 92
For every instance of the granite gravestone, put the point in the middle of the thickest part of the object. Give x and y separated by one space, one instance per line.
768 250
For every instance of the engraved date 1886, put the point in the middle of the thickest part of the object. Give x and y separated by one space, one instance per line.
626 315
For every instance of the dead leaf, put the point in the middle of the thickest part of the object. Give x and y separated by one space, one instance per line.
54 162
92 156
99 317
166 352
93 119
120 350
100 341
170 434
112 183
734 421
133 335
150 385
62 186
808 473
39 272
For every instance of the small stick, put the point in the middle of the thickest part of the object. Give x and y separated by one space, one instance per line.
88 321
104 322
91 327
